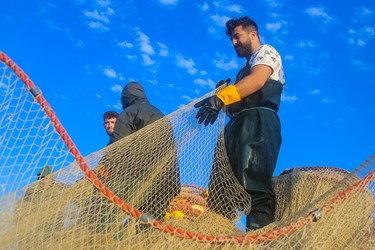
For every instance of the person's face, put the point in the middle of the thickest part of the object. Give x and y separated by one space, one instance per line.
242 41
109 125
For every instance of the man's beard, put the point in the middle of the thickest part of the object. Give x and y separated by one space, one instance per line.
243 50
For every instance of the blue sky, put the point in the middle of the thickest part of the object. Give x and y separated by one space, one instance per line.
81 53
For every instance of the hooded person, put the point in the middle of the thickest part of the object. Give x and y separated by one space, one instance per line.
144 170
137 112
44 171
45 184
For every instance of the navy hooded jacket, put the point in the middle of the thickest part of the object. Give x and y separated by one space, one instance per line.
137 112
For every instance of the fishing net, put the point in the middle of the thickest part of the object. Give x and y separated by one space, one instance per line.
150 190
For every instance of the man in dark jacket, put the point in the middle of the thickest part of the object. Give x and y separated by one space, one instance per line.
137 112
144 166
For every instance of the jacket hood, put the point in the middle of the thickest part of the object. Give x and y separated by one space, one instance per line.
132 93
44 171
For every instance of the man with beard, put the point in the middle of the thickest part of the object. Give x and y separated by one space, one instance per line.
252 137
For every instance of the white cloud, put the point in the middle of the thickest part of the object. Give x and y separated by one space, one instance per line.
221 64
315 92
319 12
187 98
365 66
360 37
273 27
147 60
219 20
327 100
169 2
101 18
180 106
363 14
163 50
306 44
275 15
54 26
187 64
356 41
130 57
212 30
197 91
147 48
88 69
144 43
235 8
369 31
98 25
289 57
97 16
314 71
98 96
118 105
110 11
103 3
204 6
109 72
125 44
153 82
116 88
79 44
288 98
205 83
271 3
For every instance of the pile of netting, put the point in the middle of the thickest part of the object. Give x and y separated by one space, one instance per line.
150 189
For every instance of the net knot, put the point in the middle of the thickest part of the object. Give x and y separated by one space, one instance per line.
316 214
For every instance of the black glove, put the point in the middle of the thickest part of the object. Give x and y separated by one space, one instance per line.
221 82
209 110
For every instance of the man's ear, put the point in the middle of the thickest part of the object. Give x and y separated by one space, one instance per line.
253 34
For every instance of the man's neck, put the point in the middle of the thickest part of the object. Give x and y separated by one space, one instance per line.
253 50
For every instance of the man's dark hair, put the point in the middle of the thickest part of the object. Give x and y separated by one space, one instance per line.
247 24
110 114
